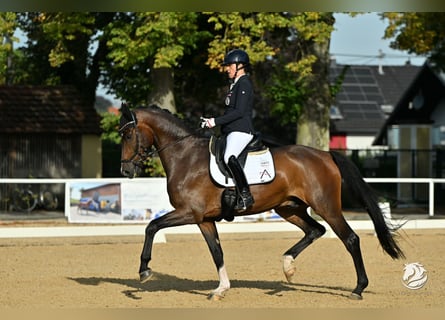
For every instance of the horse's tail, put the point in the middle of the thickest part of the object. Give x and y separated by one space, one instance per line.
363 192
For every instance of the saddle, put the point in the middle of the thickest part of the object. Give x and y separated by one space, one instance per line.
217 148
255 159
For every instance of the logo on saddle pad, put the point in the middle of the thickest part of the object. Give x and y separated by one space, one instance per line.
259 168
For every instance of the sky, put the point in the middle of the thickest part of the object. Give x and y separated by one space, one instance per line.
357 40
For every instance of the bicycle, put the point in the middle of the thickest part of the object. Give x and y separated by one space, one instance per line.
24 199
48 200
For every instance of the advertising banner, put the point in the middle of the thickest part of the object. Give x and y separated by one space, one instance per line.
108 201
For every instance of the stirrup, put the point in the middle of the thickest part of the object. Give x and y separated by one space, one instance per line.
243 202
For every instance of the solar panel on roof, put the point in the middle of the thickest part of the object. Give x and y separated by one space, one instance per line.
363 93
356 97
353 89
372 115
362 71
373 97
342 96
347 107
355 116
368 104
367 80
370 89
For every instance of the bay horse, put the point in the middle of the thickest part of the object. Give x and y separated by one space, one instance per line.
84 204
305 177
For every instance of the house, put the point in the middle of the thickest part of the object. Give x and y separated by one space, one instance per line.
48 132
418 119
107 196
416 128
367 97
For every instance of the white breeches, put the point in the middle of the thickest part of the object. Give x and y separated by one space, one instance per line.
236 142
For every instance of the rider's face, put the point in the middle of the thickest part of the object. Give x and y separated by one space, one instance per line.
231 70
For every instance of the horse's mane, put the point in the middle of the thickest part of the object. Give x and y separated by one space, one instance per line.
179 125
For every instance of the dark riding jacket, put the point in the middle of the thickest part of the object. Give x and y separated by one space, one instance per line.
239 104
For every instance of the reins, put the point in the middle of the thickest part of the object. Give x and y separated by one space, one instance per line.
151 153
144 154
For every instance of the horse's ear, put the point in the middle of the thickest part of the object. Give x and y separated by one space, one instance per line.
127 113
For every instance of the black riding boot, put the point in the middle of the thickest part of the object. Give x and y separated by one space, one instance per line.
241 184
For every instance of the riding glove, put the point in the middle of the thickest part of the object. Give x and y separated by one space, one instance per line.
207 122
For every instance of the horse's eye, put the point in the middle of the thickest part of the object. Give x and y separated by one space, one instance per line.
127 136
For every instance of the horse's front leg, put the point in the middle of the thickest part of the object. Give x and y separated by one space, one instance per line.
208 230
171 219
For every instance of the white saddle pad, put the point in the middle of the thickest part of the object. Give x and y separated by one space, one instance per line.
259 169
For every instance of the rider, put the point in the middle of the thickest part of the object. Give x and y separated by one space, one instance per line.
236 122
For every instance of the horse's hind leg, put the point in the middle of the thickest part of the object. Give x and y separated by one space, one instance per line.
352 243
312 231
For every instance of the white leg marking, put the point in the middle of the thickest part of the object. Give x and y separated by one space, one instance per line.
288 267
224 284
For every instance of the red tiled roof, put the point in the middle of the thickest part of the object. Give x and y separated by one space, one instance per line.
46 109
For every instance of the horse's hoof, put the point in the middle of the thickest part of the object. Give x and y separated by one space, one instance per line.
289 268
144 276
290 274
215 296
355 296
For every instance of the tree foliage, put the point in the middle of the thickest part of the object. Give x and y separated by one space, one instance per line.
162 37
66 48
422 33
145 57
295 48
8 25
150 44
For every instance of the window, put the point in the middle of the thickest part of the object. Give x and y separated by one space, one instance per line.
335 113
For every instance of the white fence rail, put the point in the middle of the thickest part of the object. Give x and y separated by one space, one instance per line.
430 181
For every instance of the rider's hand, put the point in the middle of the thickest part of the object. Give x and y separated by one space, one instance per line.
207 122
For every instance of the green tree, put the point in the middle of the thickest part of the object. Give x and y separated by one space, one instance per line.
153 44
161 57
422 33
66 48
8 25
297 44
313 124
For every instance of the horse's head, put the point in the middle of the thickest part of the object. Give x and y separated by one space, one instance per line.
135 144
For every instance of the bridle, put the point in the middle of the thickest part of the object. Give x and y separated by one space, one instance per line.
144 152
137 150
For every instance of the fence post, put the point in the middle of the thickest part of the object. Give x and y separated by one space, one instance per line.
431 197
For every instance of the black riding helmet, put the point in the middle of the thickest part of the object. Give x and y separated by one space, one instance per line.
236 56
